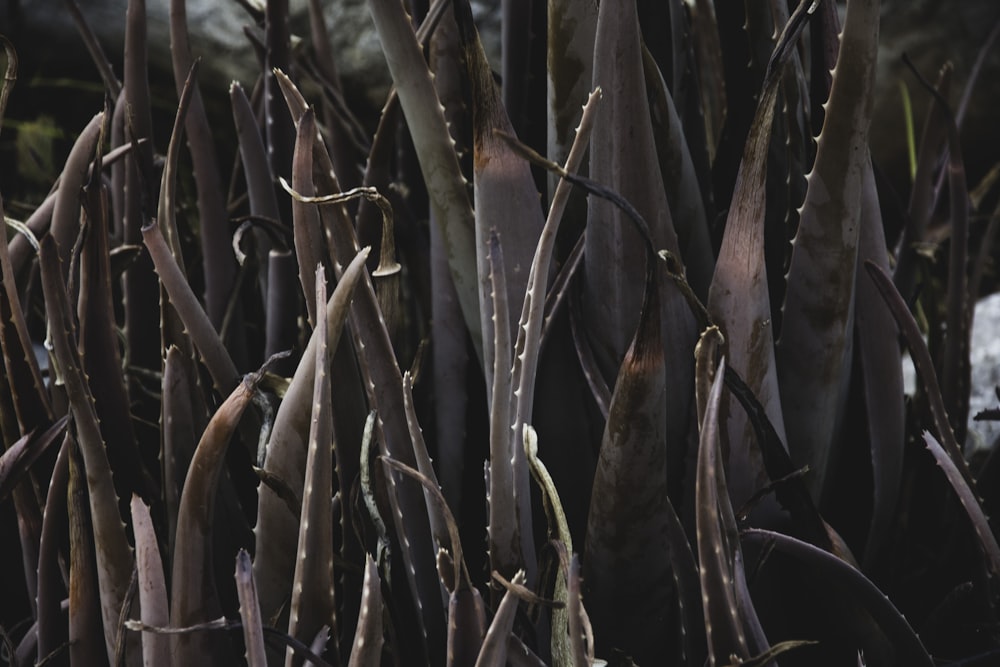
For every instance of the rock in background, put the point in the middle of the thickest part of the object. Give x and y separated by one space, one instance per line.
985 372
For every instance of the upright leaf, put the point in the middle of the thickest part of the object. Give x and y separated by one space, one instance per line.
367 648
572 25
287 456
219 266
622 158
506 201
52 579
85 607
114 558
313 606
435 152
152 587
729 616
814 350
627 575
877 338
246 590
739 300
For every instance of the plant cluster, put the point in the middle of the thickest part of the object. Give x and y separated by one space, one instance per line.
664 398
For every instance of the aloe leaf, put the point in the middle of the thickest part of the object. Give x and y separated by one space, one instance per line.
326 64
31 401
98 346
970 502
620 157
18 457
450 362
466 614
166 212
559 292
367 648
277 56
813 354
193 595
711 79
114 562
627 564
379 173
39 222
909 649
253 156
435 152
307 232
956 371
494 651
287 456
53 579
246 590
65 224
438 511
313 604
680 181
139 283
923 364
466 626
824 43
535 312
789 489
219 266
506 509
878 351
572 25
85 607
152 587
214 354
459 578
282 310
180 433
716 535
111 84
506 201
527 351
26 504
581 637
521 24
739 300
9 75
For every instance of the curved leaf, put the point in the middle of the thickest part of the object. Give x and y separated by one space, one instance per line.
908 646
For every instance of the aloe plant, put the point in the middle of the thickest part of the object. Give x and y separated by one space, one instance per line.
396 396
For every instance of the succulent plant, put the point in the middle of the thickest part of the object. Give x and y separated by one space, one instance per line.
404 391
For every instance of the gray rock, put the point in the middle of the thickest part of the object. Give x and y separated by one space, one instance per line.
985 358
